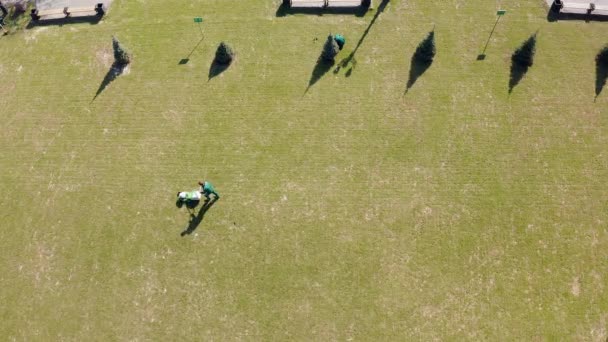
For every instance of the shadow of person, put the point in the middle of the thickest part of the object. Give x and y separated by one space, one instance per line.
349 62
195 221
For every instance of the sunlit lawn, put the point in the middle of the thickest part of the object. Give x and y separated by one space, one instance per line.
349 210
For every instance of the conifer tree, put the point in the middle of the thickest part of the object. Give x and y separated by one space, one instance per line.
224 54
330 49
121 56
425 52
602 56
524 55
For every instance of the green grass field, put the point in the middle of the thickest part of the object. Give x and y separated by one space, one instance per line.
348 212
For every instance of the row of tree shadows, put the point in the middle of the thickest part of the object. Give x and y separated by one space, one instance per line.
118 69
519 67
523 58
521 61
601 61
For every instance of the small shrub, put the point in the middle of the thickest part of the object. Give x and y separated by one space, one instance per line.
425 52
330 49
224 54
524 55
602 56
121 56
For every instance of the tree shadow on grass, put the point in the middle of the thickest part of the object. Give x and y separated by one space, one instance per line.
216 68
321 68
115 71
421 60
601 75
195 221
518 71
521 60
417 68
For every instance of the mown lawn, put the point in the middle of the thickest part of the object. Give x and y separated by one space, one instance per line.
349 210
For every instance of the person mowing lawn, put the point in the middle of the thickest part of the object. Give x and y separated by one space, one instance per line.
207 189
